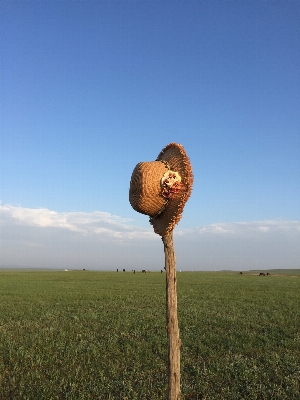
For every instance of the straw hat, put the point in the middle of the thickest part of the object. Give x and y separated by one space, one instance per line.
161 188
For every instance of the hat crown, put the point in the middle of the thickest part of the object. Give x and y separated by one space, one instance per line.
145 189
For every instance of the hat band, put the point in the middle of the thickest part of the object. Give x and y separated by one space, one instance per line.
164 162
167 200
171 186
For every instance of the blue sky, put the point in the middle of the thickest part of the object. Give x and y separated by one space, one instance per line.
89 89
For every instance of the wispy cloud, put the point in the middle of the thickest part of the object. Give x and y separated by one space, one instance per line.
46 238
244 228
241 245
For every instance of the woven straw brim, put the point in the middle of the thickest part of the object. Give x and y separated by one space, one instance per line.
178 161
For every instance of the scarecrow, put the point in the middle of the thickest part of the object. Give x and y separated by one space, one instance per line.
160 190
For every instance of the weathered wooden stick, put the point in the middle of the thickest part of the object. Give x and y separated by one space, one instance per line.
174 342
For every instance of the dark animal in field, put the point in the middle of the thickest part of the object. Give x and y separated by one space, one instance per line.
241 273
143 270
262 274
123 270
117 270
268 274
161 271
134 271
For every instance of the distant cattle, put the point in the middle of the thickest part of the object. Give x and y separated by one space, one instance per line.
143 270
161 271
262 274
268 274
241 273
123 270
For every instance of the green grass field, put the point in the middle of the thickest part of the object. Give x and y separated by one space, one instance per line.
99 335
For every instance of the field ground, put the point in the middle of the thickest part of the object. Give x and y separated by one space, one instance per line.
101 335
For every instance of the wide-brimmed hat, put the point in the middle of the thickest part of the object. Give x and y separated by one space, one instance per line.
161 188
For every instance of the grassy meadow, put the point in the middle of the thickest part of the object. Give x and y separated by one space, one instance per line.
101 335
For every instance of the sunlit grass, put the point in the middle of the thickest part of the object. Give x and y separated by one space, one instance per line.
97 335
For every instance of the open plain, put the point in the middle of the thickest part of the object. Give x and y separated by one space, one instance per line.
101 335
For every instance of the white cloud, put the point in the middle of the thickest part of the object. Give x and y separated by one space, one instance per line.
95 223
46 238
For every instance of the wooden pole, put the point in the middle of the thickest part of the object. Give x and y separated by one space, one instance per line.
174 342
